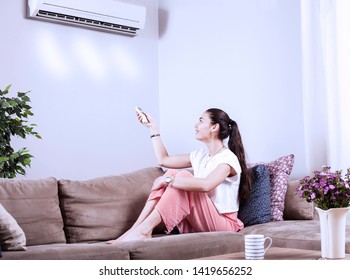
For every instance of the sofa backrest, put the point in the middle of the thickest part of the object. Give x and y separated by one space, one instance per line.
103 208
34 205
51 211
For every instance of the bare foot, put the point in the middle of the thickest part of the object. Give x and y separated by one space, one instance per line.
131 235
140 231
113 241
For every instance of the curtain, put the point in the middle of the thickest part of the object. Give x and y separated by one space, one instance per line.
325 29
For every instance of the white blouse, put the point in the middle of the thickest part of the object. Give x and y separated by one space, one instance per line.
225 195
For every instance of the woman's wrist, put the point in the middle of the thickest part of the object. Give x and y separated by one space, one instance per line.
169 180
154 135
154 130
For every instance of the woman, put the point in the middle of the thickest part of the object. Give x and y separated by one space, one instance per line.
207 201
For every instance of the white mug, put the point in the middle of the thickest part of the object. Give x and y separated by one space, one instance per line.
255 246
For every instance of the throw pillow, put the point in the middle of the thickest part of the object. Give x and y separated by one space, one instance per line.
12 237
280 170
295 207
257 209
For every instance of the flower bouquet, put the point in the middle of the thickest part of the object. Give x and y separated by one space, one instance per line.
330 192
326 189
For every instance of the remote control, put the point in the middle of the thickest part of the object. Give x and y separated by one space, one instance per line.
143 116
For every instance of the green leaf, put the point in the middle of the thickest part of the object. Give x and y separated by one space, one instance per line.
4 159
25 98
12 103
15 155
26 161
7 89
20 170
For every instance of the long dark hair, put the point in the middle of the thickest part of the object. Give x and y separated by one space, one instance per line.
229 128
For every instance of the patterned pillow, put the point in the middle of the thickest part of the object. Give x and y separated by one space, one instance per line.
280 170
257 209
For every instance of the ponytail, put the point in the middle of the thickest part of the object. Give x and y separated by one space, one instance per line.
235 144
229 129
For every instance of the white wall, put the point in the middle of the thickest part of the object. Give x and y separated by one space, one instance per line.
84 86
241 56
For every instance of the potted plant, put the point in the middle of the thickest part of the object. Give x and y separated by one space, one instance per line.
330 192
14 114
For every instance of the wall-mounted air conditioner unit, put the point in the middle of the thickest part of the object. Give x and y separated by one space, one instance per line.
108 15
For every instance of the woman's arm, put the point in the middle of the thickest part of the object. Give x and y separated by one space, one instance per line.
165 160
162 156
215 178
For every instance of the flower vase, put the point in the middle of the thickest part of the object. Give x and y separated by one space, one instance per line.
333 226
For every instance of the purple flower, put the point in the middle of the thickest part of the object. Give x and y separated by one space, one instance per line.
326 189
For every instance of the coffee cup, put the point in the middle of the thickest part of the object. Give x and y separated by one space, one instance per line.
255 246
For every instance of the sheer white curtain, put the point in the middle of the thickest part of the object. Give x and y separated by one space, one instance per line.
325 32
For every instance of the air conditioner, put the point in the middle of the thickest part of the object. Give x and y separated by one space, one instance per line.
108 15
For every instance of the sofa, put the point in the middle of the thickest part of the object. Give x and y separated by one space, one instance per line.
62 219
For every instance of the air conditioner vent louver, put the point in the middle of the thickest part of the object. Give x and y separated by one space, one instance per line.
85 21
108 15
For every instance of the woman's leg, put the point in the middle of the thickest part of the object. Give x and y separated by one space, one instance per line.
142 230
147 209
204 217
146 212
194 212
189 211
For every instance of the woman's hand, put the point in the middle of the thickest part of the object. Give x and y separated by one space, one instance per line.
150 122
159 183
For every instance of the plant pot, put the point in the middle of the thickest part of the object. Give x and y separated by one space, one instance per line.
332 226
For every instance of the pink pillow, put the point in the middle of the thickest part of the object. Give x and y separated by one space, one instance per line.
280 170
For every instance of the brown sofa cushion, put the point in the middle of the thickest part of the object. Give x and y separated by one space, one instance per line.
296 208
34 205
185 246
77 251
103 208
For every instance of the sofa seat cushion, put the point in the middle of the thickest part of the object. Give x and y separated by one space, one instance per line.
298 234
34 204
103 208
185 246
77 251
